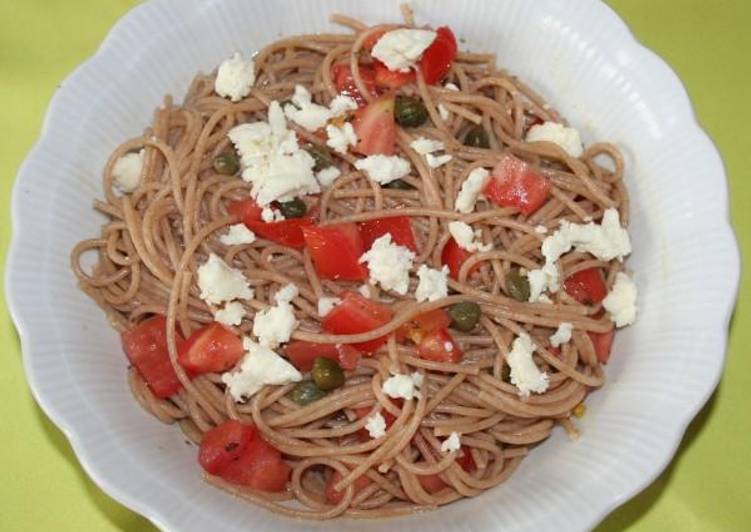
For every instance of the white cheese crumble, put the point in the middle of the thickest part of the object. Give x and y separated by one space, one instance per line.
236 235
621 301
342 104
399 49
402 386
427 147
451 444
219 282
389 264
376 426
274 325
127 171
341 138
383 169
466 238
562 334
269 214
328 175
565 137
525 375
445 114
235 77
232 314
471 190
432 284
303 112
434 161
326 304
260 366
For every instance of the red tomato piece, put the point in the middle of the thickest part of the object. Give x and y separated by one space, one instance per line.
369 43
245 210
439 346
375 127
602 343
434 483
145 345
363 435
437 58
211 349
514 183
465 460
285 232
334 496
302 354
357 314
259 466
345 82
586 286
454 256
392 79
224 444
335 251
422 324
399 227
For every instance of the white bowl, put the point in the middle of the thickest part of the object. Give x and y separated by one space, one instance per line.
582 57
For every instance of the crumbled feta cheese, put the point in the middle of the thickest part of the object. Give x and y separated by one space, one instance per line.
418 379
259 367
342 104
466 238
423 146
341 138
525 375
451 444
383 169
269 214
364 291
389 264
127 171
232 314
235 77
303 112
541 229
325 304
565 137
562 334
376 426
432 284
328 175
434 161
274 325
236 235
540 280
451 87
286 293
219 282
401 386
445 114
621 301
399 49
471 190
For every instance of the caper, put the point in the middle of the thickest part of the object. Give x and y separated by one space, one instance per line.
295 208
464 315
226 163
409 111
517 286
327 374
398 184
320 156
306 392
477 137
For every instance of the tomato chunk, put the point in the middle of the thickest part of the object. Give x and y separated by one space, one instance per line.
586 286
285 232
422 324
357 314
334 496
437 59
259 466
224 444
392 79
245 210
145 345
454 256
399 227
514 183
363 435
302 354
439 346
211 349
602 342
335 251
434 483
345 82
375 127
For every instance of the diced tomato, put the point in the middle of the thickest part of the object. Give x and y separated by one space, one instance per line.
302 354
400 228
436 60
335 251
433 483
363 435
145 345
345 82
211 349
439 346
586 286
369 43
602 343
260 467
285 232
422 324
245 210
375 127
392 79
224 444
357 314
465 460
334 496
454 256
514 183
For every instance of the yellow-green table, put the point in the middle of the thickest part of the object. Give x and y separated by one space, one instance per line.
707 485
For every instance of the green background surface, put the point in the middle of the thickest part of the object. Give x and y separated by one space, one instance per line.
707 485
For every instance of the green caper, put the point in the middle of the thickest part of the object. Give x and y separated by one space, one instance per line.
517 286
477 137
226 163
409 111
320 156
398 184
295 208
306 392
464 315
327 374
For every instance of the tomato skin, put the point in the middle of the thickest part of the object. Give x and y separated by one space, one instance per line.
145 345
439 346
375 127
454 256
422 324
513 183
302 354
357 314
345 82
433 483
586 286
399 227
224 444
260 467
392 79
335 497
245 210
211 349
285 232
602 342
437 59
335 251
